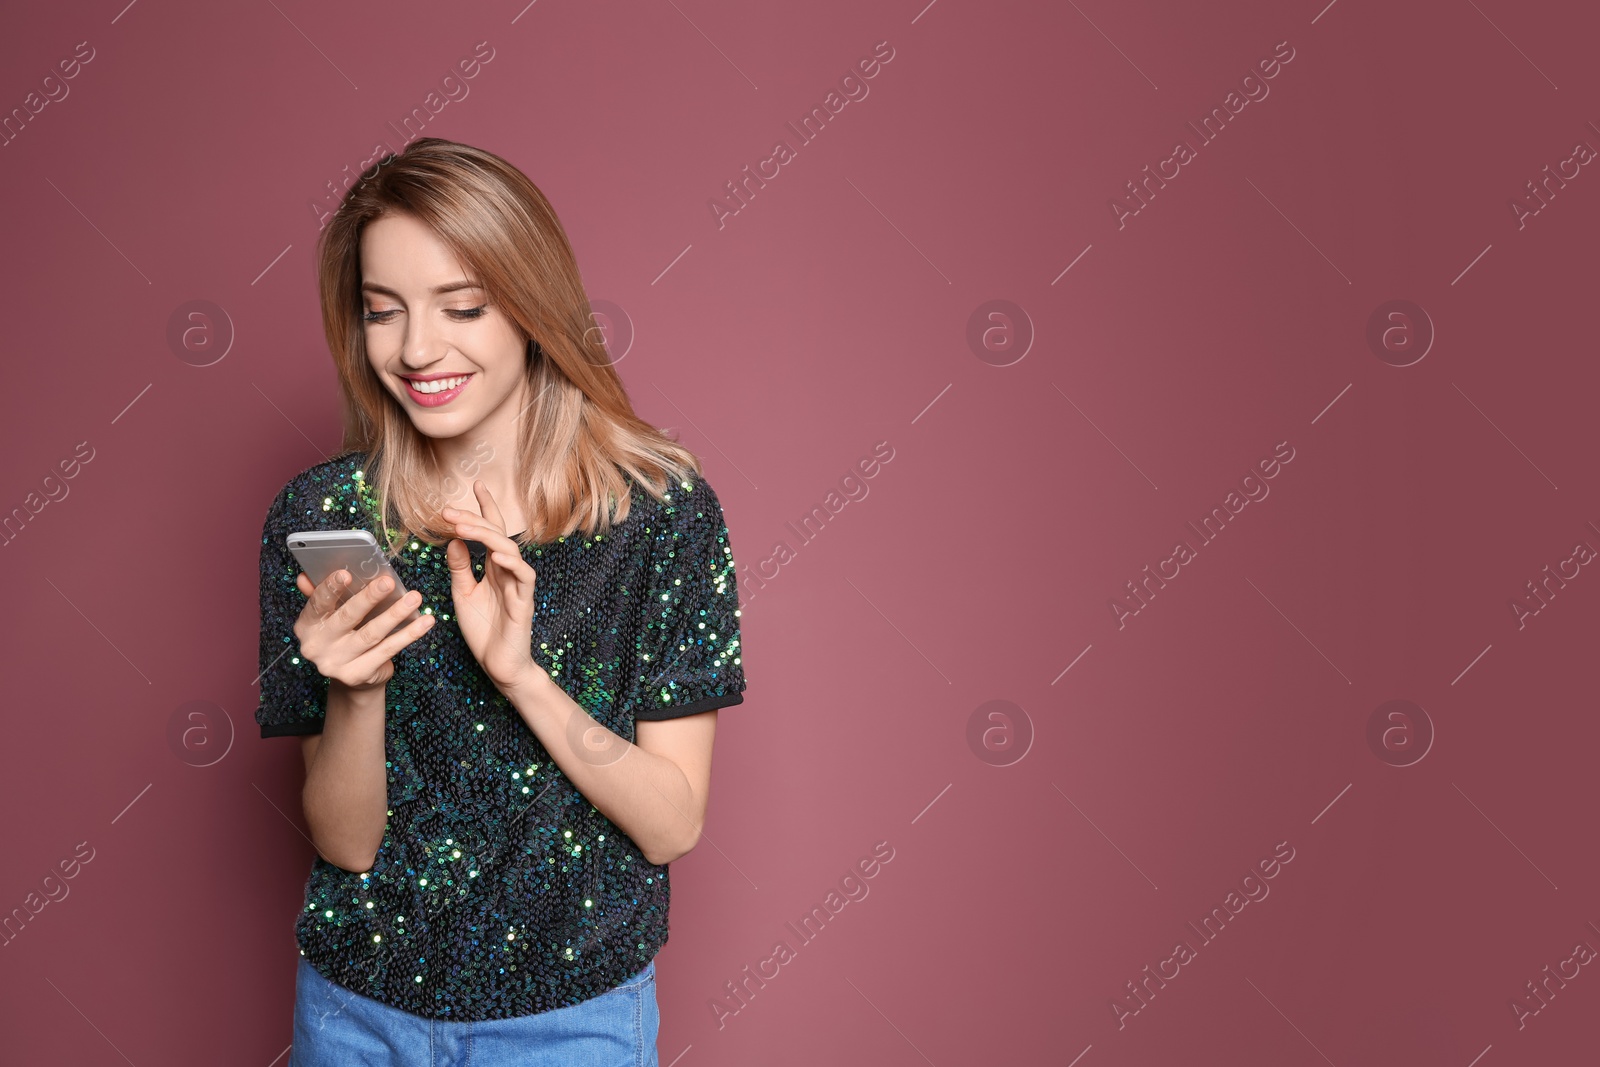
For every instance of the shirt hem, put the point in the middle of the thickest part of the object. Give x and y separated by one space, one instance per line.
292 729
694 707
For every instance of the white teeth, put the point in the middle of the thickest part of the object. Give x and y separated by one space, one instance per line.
438 385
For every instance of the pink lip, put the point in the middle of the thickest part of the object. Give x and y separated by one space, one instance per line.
433 400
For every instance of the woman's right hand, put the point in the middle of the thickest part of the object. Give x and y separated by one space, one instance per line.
332 638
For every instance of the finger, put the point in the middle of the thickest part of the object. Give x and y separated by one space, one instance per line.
489 517
389 618
458 559
488 536
462 582
515 584
326 597
302 583
513 560
354 609
517 576
515 567
487 505
386 649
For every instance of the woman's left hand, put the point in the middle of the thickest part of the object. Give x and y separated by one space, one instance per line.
496 613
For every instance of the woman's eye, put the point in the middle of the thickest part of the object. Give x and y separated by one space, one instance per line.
460 314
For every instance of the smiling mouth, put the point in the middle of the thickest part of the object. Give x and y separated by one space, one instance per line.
438 385
436 391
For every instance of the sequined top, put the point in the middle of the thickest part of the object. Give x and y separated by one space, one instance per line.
498 889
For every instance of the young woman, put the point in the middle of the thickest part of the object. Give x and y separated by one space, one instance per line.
495 789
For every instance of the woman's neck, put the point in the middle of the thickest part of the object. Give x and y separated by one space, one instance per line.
488 453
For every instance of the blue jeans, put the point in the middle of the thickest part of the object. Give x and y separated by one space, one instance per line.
334 1027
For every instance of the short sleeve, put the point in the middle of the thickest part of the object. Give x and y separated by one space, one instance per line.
689 654
294 694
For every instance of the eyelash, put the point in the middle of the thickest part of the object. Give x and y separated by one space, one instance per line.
468 313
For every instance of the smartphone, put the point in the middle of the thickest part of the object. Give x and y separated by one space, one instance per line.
321 552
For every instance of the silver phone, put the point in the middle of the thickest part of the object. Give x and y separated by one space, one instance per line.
321 552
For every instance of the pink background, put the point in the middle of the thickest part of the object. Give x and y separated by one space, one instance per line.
1160 759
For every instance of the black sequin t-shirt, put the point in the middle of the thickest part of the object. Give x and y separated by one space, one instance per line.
498 889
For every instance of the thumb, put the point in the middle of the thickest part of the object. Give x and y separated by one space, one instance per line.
462 583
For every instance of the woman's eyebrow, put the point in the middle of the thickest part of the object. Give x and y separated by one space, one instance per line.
448 287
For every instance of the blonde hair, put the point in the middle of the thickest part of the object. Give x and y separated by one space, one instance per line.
579 440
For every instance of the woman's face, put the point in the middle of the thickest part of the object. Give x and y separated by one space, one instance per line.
448 356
